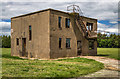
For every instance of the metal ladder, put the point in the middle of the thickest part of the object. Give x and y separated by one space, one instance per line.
79 20
82 26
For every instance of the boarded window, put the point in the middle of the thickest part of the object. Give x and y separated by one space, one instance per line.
67 42
60 42
31 55
17 41
67 23
30 32
59 22
91 44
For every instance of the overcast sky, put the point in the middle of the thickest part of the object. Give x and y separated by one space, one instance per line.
106 12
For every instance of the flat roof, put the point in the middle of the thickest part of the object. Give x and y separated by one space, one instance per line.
39 12
89 18
47 10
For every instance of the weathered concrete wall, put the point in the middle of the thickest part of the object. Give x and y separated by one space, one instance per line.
85 44
39 46
56 33
84 41
46 34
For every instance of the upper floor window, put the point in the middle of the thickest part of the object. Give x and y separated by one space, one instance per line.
59 22
30 32
60 42
89 26
17 41
67 23
67 42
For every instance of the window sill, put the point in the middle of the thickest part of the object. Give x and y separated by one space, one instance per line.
91 49
68 27
68 48
29 40
60 48
60 28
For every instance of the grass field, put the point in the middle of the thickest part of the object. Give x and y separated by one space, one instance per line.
71 67
109 52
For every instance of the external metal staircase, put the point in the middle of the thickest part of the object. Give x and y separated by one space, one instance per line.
82 26
77 13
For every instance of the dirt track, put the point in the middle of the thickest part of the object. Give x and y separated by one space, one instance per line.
111 67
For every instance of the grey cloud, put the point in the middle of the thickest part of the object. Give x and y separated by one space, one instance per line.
98 10
91 9
5 26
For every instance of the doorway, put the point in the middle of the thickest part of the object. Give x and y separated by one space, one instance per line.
79 47
24 53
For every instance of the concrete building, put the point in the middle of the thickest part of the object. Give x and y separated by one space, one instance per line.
52 34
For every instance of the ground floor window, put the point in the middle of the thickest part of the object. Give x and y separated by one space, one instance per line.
60 42
67 42
91 44
30 32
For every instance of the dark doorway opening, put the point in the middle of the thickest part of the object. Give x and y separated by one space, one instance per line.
79 47
24 53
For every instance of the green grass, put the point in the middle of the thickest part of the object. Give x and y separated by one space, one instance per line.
109 52
71 67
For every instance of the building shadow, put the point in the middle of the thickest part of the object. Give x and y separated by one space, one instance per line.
103 55
10 57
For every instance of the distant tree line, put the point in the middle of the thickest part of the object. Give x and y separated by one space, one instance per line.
103 41
111 41
5 41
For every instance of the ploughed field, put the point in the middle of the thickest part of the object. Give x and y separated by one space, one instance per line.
70 67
